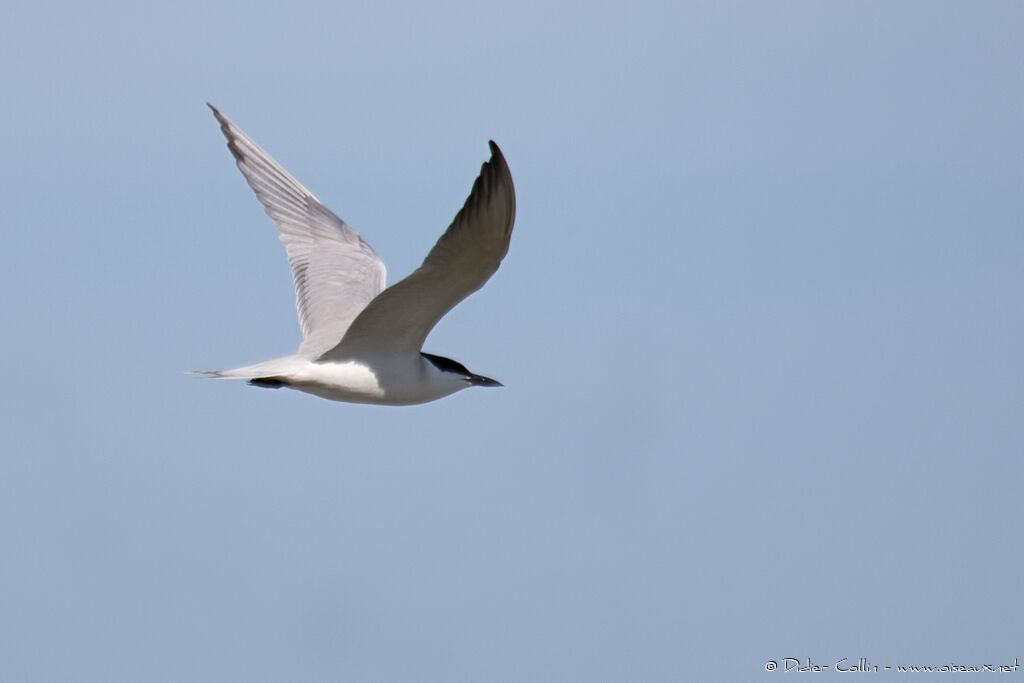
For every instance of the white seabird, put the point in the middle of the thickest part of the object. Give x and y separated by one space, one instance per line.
361 342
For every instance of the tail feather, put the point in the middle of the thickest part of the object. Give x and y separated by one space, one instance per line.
271 373
223 374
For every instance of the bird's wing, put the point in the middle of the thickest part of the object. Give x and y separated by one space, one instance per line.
398 320
336 273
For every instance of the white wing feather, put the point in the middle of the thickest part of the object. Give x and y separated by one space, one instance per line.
336 272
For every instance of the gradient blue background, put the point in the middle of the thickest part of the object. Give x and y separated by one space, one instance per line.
760 328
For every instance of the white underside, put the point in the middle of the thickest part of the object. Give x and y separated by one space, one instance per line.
404 381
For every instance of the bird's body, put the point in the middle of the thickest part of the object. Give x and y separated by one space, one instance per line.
388 380
362 342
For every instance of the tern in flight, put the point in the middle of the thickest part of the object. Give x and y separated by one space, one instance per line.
361 341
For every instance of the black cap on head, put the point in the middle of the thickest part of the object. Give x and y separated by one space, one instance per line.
456 368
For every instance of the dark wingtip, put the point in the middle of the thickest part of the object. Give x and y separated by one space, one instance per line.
220 117
496 152
497 158
226 128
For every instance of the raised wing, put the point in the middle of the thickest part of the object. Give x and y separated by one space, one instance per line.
468 253
336 273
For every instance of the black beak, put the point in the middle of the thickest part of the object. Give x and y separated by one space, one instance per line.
481 381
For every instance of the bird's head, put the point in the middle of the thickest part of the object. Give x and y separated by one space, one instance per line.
457 372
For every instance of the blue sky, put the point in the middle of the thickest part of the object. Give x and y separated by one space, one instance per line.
760 330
